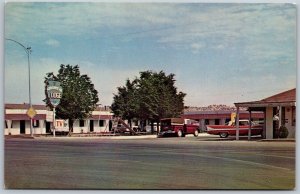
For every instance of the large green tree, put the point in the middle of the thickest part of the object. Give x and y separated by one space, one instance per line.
152 96
79 96
159 96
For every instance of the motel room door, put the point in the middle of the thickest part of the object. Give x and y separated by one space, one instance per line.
22 127
48 127
91 125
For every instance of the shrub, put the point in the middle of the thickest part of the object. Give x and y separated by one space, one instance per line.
283 132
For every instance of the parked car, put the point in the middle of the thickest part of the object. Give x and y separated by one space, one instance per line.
136 128
177 127
148 128
120 129
230 129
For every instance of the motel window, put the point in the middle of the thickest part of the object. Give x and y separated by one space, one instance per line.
206 122
6 124
81 123
293 116
217 121
35 123
101 123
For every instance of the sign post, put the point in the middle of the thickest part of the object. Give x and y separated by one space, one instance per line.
31 112
54 94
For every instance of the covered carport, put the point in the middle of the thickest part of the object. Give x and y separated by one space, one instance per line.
278 105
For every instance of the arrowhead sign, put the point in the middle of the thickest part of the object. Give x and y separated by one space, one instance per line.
54 92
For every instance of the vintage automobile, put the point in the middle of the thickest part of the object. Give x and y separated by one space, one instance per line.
178 127
230 129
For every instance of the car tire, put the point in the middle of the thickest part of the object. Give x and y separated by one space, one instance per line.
179 133
196 133
223 134
262 135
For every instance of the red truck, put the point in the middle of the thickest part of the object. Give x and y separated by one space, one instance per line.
178 127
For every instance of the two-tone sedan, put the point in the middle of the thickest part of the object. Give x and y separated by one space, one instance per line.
230 129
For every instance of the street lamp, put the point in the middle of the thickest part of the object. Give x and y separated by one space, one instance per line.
28 52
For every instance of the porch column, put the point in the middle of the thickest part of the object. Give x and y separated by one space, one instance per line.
42 124
8 122
88 125
280 116
269 123
237 123
250 123
202 124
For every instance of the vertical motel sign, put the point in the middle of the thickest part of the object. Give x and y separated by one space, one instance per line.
54 94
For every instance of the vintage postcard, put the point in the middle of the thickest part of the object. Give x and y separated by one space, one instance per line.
189 96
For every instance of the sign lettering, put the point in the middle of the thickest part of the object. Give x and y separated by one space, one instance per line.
54 92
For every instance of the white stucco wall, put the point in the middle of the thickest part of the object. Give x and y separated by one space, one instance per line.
15 129
86 127
12 131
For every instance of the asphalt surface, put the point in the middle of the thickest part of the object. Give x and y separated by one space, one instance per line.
151 163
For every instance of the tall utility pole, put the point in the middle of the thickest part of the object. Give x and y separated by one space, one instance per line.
28 52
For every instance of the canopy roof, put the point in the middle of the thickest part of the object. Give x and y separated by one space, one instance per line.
287 98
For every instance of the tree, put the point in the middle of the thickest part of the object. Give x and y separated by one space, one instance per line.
79 96
159 96
126 101
151 97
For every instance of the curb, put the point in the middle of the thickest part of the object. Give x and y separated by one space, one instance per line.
100 137
278 140
18 137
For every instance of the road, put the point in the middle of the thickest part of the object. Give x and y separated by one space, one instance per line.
160 163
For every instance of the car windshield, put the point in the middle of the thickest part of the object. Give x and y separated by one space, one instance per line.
243 123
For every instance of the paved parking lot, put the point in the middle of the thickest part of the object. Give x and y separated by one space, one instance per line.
153 163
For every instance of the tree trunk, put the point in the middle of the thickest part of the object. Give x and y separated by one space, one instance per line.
152 127
157 127
143 127
71 121
130 123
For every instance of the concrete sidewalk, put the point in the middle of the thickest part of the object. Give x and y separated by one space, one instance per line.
118 137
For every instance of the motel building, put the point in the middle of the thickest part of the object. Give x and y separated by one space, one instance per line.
274 111
18 122
279 110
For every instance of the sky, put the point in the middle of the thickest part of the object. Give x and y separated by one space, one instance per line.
219 53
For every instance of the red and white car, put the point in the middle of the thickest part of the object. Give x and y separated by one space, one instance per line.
230 129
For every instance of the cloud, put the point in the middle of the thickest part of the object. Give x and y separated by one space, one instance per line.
52 42
232 39
172 24
196 47
83 18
